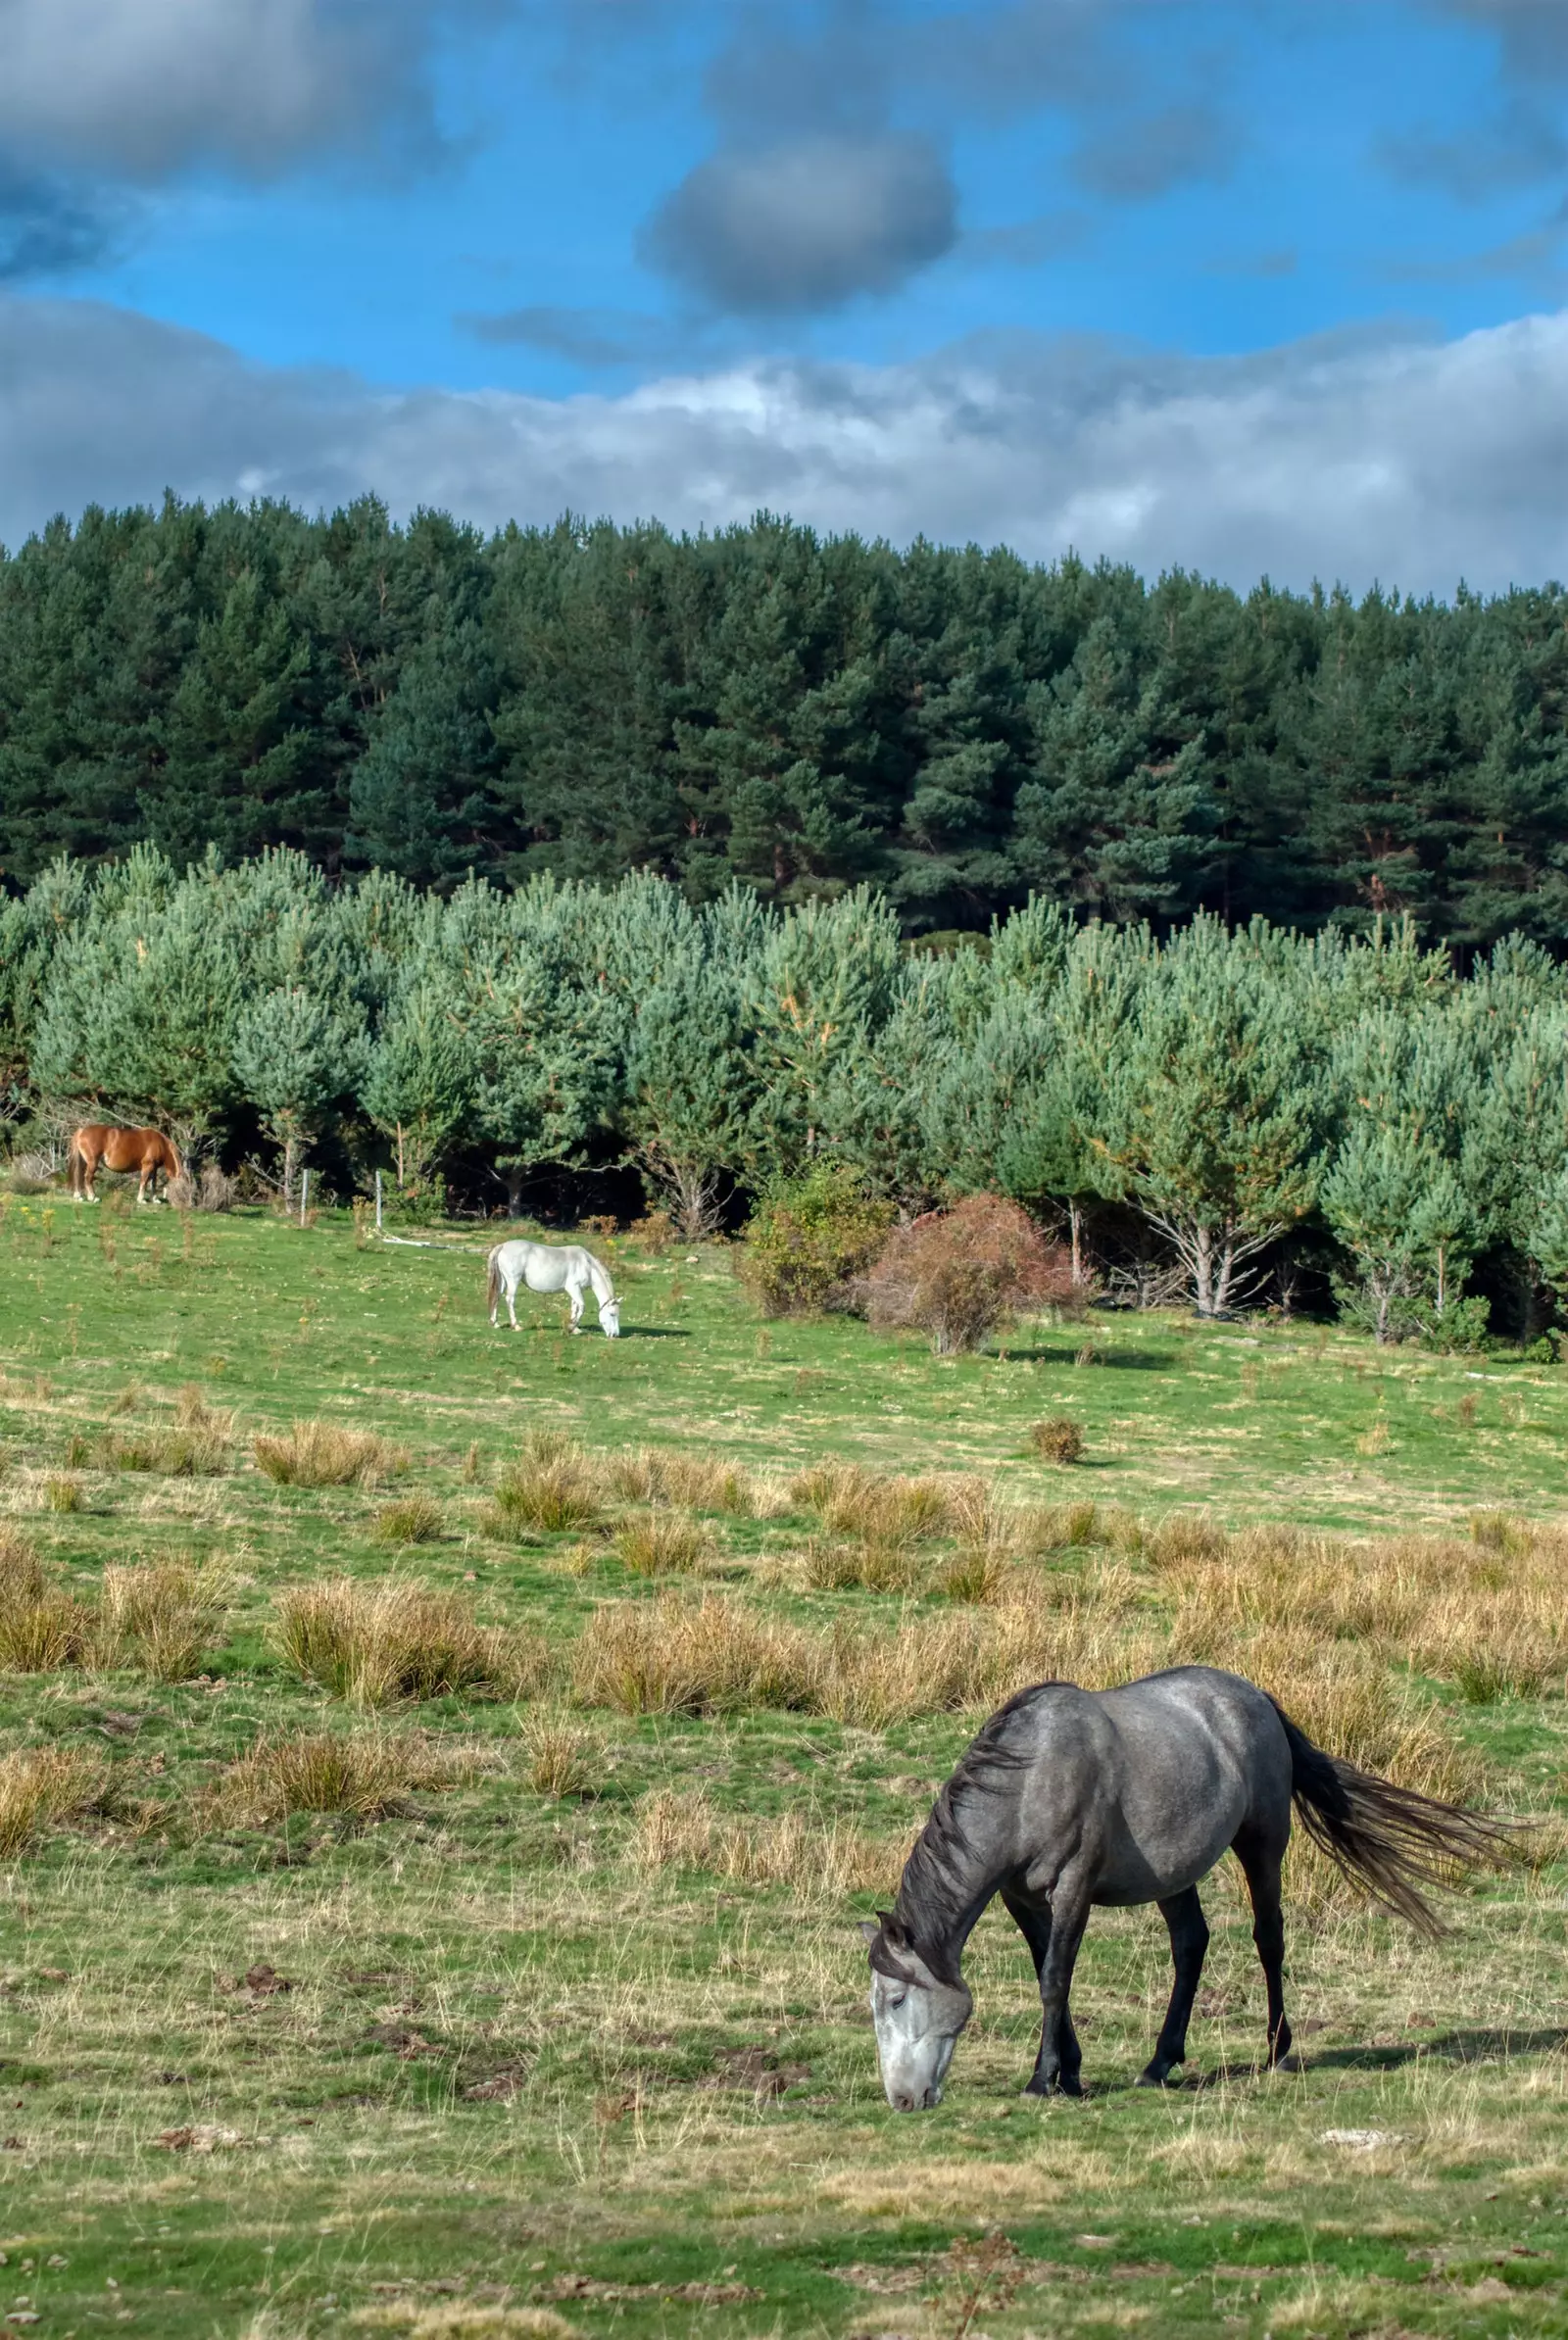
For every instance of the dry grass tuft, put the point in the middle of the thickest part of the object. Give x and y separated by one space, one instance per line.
195 1446
413 1518
375 1644
891 1511
163 1619
558 1755
827 1565
1058 1438
41 1626
699 1482
550 1488
674 1655
458 2320
663 1544
329 1454
363 1775
63 1494
684 1832
980 1574
38 1786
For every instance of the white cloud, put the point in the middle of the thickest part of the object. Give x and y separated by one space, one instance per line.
138 88
1407 460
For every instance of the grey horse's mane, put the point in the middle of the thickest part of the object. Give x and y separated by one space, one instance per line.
938 1889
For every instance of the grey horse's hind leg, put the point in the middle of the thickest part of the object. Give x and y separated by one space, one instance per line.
1260 1865
1183 1914
1054 1935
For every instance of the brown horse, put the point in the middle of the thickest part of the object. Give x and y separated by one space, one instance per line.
146 1152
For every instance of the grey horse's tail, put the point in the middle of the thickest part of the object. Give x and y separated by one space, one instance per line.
492 1283
1391 1840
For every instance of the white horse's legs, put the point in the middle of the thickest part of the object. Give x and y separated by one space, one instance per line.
576 1291
512 1304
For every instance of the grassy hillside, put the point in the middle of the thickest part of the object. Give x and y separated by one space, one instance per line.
432 1859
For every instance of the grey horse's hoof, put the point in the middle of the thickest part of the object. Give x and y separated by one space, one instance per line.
1064 2084
1159 2075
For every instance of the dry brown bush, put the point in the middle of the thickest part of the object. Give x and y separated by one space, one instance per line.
163 1619
329 1454
684 1832
550 1488
376 1643
1058 1438
363 1775
955 1274
41 1784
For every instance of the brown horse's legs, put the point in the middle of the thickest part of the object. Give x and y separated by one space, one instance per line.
88 1162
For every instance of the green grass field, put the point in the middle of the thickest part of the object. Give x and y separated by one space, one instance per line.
560 2028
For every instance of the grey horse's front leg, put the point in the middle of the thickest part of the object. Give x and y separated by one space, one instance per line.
1054 1937
1183 1914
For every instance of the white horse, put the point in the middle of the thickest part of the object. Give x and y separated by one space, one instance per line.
550 1267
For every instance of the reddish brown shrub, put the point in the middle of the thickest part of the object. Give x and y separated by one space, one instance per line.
957 1274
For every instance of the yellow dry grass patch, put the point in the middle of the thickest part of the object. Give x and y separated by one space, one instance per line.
374 1643
790 1848
40 1785
460 2321
361 1774
329 1454
163 1619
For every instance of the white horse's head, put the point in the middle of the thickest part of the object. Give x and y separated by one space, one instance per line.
917 2017
610 1318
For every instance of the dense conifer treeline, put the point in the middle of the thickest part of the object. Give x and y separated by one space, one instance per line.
1200 1107
954 727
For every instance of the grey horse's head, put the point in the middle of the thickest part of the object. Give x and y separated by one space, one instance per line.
916 2013
610 1319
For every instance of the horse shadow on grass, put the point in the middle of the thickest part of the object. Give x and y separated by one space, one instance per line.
1134 1360
1480 2046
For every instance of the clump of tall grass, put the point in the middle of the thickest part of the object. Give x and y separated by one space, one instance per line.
195 1446
373 1644
878 1508
827 1564
329 1454
42 1627
684 1832
361 1774
558 1755
40 1785
413 1519
163 1619
979 1573
673 1655
662 1543
549 1488
671 1475
63 1494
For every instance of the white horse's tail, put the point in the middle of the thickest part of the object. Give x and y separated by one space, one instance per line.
492 1281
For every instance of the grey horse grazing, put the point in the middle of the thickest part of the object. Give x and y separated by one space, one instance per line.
1071 1798
550 1267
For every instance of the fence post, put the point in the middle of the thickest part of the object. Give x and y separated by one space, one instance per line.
304 1193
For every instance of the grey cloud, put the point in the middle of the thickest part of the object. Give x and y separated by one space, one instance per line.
1535 257
807 224
1134 160
1532 34
1029 243
1360 456
1514 147
49 227
140 89
586 336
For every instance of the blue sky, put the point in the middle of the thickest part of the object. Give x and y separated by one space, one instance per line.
1267 287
